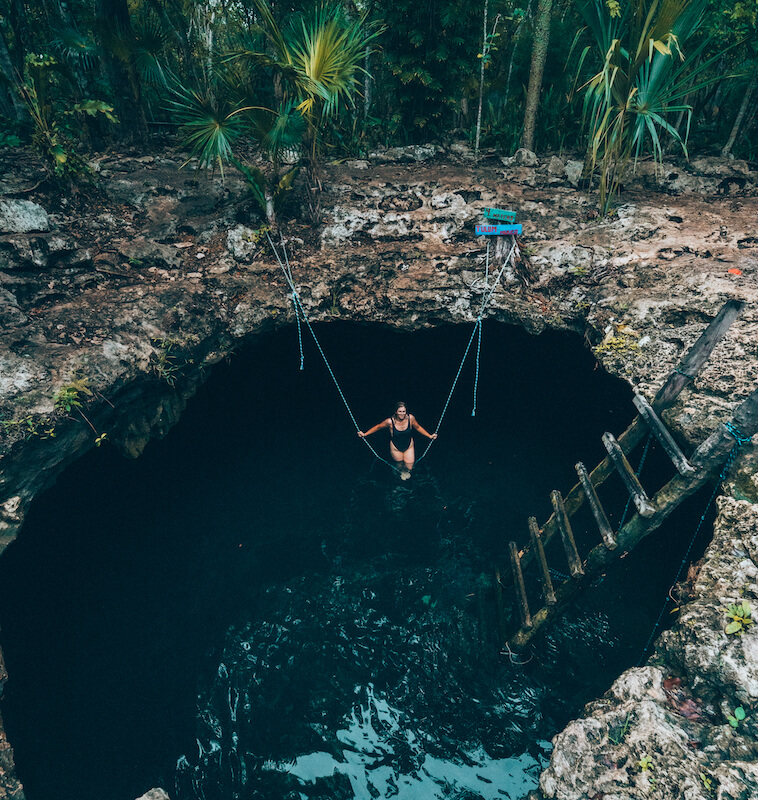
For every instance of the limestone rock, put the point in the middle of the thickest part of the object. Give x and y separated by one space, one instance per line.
155 794
142 251
461 151
698 643
22 216
40 251
357 163
574 171
242 242
405 155
10 314
556 168
525 158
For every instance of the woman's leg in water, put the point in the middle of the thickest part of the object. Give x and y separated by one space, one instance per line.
409 457
404 460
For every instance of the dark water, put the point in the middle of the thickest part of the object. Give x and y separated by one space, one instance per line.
260 556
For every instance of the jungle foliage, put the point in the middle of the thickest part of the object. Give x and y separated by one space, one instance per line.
301 81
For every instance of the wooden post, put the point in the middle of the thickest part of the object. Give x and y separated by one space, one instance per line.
598 512
631 481
518 582
709 458
661 433
567 535
539 550
635 433
698 354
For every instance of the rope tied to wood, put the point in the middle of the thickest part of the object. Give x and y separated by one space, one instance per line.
739 437
685 374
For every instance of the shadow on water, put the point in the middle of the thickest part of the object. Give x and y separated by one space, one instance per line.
260 553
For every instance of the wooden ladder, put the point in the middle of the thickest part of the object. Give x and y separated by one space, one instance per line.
650 512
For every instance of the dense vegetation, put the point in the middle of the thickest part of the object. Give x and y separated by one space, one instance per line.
614 79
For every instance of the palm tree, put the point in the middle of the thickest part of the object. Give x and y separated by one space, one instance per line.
643 80
316 62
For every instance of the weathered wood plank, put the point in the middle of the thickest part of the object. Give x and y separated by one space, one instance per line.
635 433
518 582
661 433
631 481
567 535
547 584
598 512
698 354
498 230
709 458
500 213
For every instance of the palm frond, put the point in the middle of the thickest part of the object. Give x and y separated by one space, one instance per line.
209 125
75 47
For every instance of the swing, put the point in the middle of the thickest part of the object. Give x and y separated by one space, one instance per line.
301 316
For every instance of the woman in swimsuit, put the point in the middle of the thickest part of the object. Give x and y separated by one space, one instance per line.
401 425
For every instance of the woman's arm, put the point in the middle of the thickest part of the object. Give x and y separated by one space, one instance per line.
383 424
421 429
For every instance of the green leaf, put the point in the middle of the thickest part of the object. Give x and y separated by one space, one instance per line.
739 712
733 627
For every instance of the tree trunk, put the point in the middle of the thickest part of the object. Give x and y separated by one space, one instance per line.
481 82
112 18
539 55
19 25
6 67
727 149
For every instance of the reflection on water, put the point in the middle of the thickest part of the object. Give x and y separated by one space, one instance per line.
372 739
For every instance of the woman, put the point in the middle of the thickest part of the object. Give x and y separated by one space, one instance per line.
401 425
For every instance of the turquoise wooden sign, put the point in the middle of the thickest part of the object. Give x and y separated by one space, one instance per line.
498 230
500 213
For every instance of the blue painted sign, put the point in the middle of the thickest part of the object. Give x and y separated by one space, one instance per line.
499 213
498 230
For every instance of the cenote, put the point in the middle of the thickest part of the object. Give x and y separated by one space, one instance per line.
256 603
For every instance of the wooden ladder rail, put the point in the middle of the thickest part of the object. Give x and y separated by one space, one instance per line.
707 460
687 369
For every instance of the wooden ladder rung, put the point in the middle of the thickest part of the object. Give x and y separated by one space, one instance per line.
632 482
539 551
598 512
661 433
567 535
518 582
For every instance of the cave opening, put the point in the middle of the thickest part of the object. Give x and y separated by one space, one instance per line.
119 595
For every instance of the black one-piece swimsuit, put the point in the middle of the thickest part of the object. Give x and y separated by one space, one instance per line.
401 439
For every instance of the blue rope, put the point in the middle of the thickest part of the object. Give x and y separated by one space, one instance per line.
739 441
639 472
488 293
299 306
300 310
479 325
294 303
686 374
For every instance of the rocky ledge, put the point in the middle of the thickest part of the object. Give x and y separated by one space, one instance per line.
114 299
